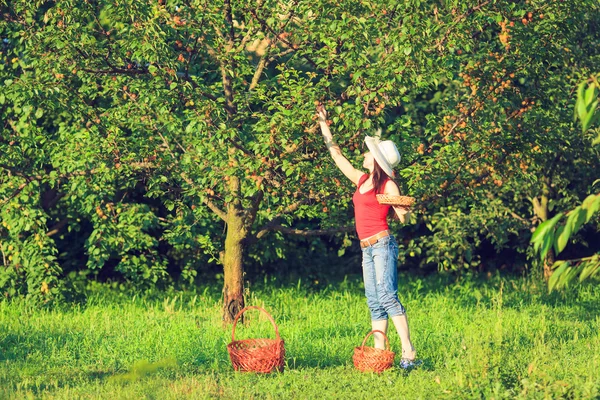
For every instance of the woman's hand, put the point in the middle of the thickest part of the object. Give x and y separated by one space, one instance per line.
321 113
322 117
403 213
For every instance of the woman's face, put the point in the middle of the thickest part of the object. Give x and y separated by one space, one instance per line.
368 161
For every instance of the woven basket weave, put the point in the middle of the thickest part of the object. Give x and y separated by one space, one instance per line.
405 201
256 355
370 359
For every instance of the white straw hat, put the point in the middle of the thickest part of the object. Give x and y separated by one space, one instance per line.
385 153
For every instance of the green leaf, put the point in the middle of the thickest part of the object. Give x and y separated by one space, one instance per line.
590 204
468 255
581 110
588 270
559 269
595 207
593 121
588 118
590 94
587 203
580 107
567 276
581 91
578 217
546 243
547 239
543 228
190 127
564 234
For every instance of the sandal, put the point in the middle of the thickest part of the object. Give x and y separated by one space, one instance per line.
407 363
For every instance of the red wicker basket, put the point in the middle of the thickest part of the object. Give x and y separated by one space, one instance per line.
256 355
372 359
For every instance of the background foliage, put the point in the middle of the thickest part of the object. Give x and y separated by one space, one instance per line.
134 134
549 235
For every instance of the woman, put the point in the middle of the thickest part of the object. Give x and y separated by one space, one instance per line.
379 247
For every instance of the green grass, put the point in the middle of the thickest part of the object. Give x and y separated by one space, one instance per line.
502 338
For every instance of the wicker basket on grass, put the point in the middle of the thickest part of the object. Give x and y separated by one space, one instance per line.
256 355
401 201
370 359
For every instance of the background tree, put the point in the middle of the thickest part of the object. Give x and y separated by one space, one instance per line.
551 236
146 139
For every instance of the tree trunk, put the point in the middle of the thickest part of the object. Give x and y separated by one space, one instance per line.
548 263
540 207
233 267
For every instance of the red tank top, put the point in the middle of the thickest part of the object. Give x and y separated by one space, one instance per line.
370 216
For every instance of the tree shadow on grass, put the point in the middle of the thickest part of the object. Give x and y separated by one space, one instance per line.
318 357
302 361
33 371
322 350
16 347
29 375
510 292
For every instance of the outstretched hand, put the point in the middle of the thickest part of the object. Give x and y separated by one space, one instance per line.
403 213
321 113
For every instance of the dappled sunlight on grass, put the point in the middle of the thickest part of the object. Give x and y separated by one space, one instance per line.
502 338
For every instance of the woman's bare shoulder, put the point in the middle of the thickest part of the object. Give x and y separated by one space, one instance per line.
391 188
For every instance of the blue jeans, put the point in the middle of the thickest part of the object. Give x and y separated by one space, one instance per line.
380 274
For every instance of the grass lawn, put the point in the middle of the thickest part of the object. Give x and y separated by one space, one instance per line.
501 338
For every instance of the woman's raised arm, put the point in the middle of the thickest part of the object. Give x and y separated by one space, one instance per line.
342 162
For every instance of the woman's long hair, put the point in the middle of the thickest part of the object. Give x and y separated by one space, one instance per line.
379 178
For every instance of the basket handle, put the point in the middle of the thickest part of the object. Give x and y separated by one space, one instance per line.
243 310
387 342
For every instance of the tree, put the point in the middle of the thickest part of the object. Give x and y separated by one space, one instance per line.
551 235
155 127
499 152
206 107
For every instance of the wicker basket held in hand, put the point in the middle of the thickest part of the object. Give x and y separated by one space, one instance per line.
402 201
372 359
256 355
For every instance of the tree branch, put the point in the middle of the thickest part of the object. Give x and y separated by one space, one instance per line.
3 257
229 19
310 232
523 220
36 178
254 209
214 208
56 228
188 78
261 66
275 221
220 213
116 71
240 147
470 11
278 37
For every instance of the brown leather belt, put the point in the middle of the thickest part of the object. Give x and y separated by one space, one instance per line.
370 241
